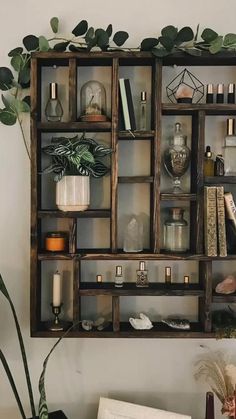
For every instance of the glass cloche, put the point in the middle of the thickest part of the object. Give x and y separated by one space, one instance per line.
93 102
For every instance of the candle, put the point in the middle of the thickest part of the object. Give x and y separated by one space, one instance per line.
56 293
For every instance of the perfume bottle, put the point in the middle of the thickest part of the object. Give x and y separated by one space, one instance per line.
220 93
53 110
208 166
119 280
142 275
210 94
219 167
231 93
143 111
230 149
168 275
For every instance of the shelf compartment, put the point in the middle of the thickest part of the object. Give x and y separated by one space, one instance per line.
219 180
130 289
93 213
138 135
178 197
223 298
74 126
55 256
135 179
189 109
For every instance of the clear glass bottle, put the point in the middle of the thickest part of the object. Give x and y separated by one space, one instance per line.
219 167
143 111
53 110
208 165
176 231
119 280
230 149
177 158
142 275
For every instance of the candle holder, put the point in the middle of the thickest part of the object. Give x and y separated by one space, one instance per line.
57 325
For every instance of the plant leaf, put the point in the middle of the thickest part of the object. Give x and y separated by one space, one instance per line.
24 77
229 39
26 99
61 46
20 106
192 51
109 30
31 42
43 44
169 32
89 35
102 38
208 35
54 23
167 43
184 35
98 169
148 44
81 28
74 48
17 62
15 51
120 37
6 102
216 45
6 78
7 116
160 52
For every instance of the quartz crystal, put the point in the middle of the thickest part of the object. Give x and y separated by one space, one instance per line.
133 238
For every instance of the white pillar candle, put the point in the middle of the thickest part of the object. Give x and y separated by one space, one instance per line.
56 292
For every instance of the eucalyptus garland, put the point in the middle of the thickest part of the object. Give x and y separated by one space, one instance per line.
86 38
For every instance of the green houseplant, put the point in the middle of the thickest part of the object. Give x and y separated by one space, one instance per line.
73 161
43 409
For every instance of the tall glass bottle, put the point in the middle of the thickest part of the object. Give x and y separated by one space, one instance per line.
208 166
230 149
53 110
143 111
176 231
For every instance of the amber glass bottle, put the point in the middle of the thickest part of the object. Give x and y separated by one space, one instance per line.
208 168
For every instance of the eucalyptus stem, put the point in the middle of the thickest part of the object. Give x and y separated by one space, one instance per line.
23 136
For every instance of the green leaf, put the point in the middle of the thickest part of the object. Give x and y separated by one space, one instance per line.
17 62
8 116
54 23
148 44
102 38
208 35
160 52
192 51
26 99
20 106
74 48
31 42
120 37
15 51
61 46
89 35
81 28
5 102
109 30
229 39
43 44
184 35
169 32
24 77
167 43
6 78
216 45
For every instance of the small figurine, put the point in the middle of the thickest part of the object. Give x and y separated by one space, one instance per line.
182 324
142 323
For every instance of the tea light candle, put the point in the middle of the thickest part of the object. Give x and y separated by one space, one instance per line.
56 293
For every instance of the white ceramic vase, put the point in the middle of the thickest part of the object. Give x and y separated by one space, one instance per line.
73 193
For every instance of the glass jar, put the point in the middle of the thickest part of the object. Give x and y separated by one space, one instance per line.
176 231
56 241
93 102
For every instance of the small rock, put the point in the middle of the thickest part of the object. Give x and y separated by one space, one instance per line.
227 286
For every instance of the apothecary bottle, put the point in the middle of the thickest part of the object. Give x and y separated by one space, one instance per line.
143 111
176 231
53 110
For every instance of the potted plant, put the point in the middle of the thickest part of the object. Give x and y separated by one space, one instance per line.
74 160
43 409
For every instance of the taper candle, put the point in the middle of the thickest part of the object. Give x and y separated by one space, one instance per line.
56 293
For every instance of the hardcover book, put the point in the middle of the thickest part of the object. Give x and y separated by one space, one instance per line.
127 104
230 207
210 221
222 247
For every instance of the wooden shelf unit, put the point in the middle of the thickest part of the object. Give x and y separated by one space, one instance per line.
81 289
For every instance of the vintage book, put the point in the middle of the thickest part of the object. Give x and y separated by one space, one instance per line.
221 231
127 104
230 207
210 221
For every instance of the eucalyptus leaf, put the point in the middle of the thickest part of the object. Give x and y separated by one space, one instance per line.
148 44
31 42
20 106
43 44
229 39
24 77
166 42
208 35
15 51
169 32
216 45
102 38
74 48
184 35
5 102
61 46
109 30
81 28
54 23
160 52
120 37
17 62
6 78
90 34
26 99
192 51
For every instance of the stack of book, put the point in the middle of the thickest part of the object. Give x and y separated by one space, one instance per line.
219 221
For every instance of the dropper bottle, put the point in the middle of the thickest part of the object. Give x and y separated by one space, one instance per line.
208 168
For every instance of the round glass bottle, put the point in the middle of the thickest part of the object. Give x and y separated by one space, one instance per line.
177 158
176 231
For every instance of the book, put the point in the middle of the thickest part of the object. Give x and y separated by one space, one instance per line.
127 104
210 221
221 230
230 207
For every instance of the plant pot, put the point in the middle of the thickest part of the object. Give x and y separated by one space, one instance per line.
73 193
55 415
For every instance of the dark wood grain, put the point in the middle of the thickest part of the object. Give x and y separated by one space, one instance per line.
72 235
222 298
178 197
135 179
100 213
219 180
74 126
76 286
193 108
116 313
72 89
205 281
137 135
114 157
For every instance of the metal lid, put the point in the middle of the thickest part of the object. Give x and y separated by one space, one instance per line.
118 270
230 126
186 279
220 88
168 270
142 266
53 90
231 88
99 278
144 96
177 213
56 234
208 152
210 88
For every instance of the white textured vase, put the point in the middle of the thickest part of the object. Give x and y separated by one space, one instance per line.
73 193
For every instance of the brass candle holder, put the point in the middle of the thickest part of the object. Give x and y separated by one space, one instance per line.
57 324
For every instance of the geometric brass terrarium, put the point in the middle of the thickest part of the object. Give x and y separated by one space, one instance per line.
185 88
93 102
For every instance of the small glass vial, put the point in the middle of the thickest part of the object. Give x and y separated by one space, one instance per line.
230 149
167 275
99 278
119 280
176 231
186 279
53 110
210 95
231 93
142 275
219 167
208 167
143 111
220 93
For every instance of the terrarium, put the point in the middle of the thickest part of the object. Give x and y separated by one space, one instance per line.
93 102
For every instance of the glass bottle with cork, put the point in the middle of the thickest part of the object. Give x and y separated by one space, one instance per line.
53 110
208 165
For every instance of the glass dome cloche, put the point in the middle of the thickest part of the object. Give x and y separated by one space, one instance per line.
93 102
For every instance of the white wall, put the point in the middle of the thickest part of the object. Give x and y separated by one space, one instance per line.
155 372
